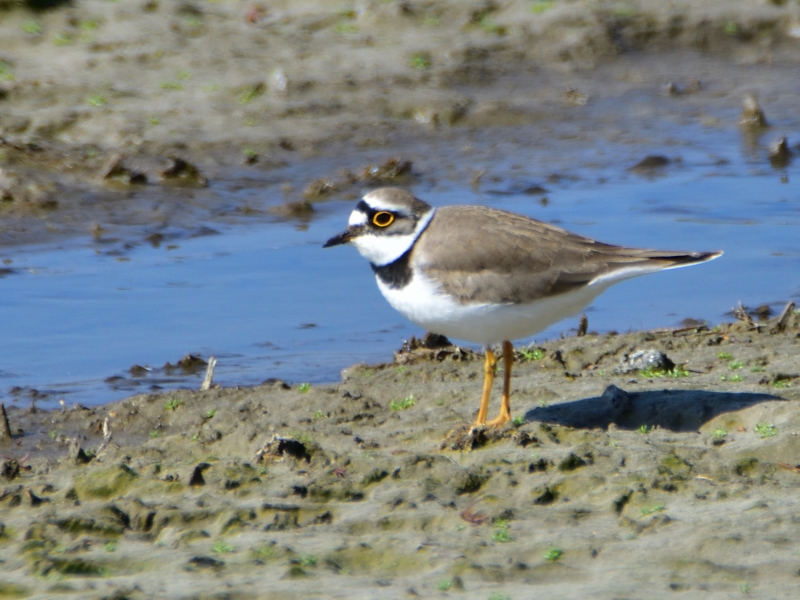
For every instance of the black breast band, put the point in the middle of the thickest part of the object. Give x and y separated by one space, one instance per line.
396 274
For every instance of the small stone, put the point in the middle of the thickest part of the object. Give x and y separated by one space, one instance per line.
197 478
204 562
115 170
650 163
182 172
779 152
617 402
576 98
644 359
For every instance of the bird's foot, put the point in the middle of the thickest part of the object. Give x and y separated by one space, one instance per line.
498 421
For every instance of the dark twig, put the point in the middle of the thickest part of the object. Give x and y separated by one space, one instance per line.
583 326
5 429
788 467
783 320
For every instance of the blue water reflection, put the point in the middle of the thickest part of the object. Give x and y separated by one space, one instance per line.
269 302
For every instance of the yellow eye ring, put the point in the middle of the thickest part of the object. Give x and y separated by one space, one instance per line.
382 219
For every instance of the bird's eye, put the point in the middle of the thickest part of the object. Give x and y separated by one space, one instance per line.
382 219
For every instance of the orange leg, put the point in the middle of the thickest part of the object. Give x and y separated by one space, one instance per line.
505 406
488 380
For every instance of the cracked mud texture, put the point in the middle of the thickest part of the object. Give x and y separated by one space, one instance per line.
608 486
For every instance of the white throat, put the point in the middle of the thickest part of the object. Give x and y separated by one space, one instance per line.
382 250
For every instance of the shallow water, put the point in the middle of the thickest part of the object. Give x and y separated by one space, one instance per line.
267 301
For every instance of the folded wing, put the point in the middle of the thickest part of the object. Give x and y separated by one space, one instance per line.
514 259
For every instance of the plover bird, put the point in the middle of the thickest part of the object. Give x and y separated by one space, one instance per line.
488 276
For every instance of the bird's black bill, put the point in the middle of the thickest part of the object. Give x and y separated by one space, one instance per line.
342 238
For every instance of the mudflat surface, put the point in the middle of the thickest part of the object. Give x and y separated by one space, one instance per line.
678 481
642 484
98 98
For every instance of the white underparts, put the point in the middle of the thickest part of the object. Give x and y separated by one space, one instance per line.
422 302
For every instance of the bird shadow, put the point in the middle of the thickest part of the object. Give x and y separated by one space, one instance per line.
674 410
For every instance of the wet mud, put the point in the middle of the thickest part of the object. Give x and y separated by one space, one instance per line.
617 477
100 100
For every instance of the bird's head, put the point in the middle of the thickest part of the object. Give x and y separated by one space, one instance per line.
384 225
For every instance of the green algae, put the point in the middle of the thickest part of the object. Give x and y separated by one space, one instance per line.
85 525
470 482
364 559
12 590
745 466
374 476
50 566
571 462
106 482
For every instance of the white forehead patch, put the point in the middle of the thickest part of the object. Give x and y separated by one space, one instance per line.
357 218
389 206
378 202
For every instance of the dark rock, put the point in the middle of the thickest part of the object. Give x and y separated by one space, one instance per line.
571 462
183 172
204 562
779 153
9 468
650 163
618 403
77 454
280 446
197 475
115 170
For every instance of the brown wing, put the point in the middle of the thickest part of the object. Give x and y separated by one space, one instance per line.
488 255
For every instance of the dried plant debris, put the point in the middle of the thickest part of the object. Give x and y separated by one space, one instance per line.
753 316
432 346
779 152
752 114
782 321
301 210
431 341
321 188
281 446
182 172
576 97
394 171
191 363
115 170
